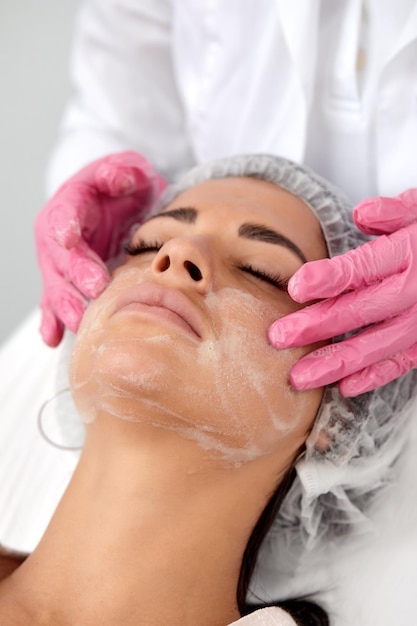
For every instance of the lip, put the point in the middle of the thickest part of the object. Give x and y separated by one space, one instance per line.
162 302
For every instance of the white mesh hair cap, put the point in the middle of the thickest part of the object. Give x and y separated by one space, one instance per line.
334 488
332 208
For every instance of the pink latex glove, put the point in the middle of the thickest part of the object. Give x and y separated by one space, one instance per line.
82 226
381 280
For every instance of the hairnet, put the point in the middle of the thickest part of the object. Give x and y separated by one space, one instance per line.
334 488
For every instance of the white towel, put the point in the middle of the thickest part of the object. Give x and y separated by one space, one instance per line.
272 616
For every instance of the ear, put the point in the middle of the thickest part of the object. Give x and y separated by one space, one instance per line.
323 441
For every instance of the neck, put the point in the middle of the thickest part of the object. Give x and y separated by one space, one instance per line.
144 533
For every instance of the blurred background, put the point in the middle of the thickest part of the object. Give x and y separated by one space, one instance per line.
35 39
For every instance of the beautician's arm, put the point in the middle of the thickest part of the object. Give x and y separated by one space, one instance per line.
125 99
125 95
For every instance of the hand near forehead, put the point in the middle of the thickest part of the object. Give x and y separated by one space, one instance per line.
373 286
81 227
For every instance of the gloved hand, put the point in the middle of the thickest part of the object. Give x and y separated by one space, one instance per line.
82 226
381 280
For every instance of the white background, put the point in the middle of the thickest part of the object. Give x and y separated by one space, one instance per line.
35 37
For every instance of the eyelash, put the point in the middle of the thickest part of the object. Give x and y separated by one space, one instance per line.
143 246
273 279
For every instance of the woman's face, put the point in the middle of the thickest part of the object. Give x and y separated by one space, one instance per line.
179 338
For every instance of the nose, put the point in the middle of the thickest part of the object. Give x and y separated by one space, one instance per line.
185 261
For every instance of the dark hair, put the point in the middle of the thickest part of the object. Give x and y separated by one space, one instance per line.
303 611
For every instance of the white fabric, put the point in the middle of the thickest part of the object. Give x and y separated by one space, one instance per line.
33 474
188 81
266 617
371 580
184 81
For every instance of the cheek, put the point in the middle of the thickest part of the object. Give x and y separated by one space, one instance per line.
90 345
249 379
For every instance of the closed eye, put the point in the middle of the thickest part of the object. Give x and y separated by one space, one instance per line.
142 246
273 279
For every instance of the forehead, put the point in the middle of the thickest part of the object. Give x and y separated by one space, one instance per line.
249 199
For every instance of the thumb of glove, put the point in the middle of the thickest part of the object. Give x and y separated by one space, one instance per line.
382 215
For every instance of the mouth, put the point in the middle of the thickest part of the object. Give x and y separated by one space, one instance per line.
163 303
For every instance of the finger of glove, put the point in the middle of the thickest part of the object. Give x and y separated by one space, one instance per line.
80 265
365 265
340 360
379 374
124 174
66 302
51 328
87 271
73 213
380 215
336 316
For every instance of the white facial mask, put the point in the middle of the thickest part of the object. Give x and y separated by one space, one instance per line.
229 392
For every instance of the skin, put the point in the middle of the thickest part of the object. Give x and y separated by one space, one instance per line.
171 455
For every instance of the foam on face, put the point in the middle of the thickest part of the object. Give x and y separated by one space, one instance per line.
229 393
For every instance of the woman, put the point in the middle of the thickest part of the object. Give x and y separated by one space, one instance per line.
191 424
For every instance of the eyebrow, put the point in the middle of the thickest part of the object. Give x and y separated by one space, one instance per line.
261 233
255 232
182 214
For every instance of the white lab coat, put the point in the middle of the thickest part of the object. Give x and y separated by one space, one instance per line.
185 81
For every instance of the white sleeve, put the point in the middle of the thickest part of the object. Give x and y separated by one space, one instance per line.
125 94
272 616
